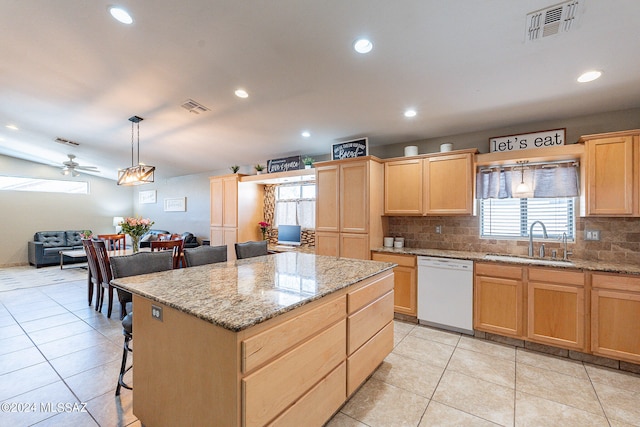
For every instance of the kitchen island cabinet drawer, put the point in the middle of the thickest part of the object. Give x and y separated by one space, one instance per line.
322 401
365 360
263 347
367 322
368 293
271 389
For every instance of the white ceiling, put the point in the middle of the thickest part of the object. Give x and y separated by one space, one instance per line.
69 70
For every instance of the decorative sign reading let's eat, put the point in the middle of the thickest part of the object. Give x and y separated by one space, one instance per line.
526 141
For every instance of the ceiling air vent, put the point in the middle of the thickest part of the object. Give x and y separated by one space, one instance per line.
551 21
66 142
194 107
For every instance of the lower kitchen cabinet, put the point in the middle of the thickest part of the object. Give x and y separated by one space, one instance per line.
498 299
615 316
556 308
405 300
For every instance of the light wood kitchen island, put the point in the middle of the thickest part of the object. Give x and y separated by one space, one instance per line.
281 339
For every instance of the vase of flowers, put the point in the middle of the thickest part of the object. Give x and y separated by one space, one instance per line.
86 234
136 227
264 227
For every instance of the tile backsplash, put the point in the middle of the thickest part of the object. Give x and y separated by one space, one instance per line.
619 237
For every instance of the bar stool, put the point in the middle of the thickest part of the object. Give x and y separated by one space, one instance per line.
205 255
251 249
127 331
133 265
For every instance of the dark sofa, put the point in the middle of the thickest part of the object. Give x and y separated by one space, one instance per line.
46 245
190 240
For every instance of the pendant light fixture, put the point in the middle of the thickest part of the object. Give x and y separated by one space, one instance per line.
522 187
140 173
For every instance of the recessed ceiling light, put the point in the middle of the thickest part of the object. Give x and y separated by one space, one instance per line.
12 127
121 15
410 113
306 134
241 93
363 46
589 76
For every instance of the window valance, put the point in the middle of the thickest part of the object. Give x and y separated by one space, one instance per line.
542 180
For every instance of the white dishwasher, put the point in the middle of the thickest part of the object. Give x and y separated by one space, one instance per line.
445 293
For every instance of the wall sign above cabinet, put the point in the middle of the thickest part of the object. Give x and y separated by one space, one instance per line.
284 164
527 141
350 149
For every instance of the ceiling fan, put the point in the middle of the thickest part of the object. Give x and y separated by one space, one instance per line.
71 167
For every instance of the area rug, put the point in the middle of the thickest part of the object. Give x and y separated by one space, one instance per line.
25 277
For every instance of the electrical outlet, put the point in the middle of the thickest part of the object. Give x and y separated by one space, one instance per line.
156 312
438 229
592 235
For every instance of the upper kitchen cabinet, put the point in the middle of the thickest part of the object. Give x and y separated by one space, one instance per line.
349 207
432 184
403 187
236 209
448 184
612 174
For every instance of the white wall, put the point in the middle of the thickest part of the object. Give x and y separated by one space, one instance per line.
24 213
196 217
576 127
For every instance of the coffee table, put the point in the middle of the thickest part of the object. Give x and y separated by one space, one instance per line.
77 253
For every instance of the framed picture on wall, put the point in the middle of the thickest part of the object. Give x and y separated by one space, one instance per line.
147 196
176 204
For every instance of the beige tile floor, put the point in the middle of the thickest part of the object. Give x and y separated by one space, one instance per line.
55 349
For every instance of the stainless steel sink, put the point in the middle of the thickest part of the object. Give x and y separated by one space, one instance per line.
526 260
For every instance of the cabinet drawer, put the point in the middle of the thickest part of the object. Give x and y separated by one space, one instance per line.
363 362
368 321
403 260
262 347
610 281
271 389
498 270
567 277
367 293
315 407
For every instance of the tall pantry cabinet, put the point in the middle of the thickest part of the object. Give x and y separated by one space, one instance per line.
349 207
236 209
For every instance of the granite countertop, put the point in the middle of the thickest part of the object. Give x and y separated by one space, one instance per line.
601 266
239 294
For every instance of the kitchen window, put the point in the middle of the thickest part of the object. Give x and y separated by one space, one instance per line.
296 205
511 218
513 197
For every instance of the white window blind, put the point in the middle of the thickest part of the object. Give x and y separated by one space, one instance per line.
511 218
296 205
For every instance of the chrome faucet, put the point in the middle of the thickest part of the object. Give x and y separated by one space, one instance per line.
544 234
565 257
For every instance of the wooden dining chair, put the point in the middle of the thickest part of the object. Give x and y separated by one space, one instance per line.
95 277
164 236
105 275
173 245
114 241
251 249
205 255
